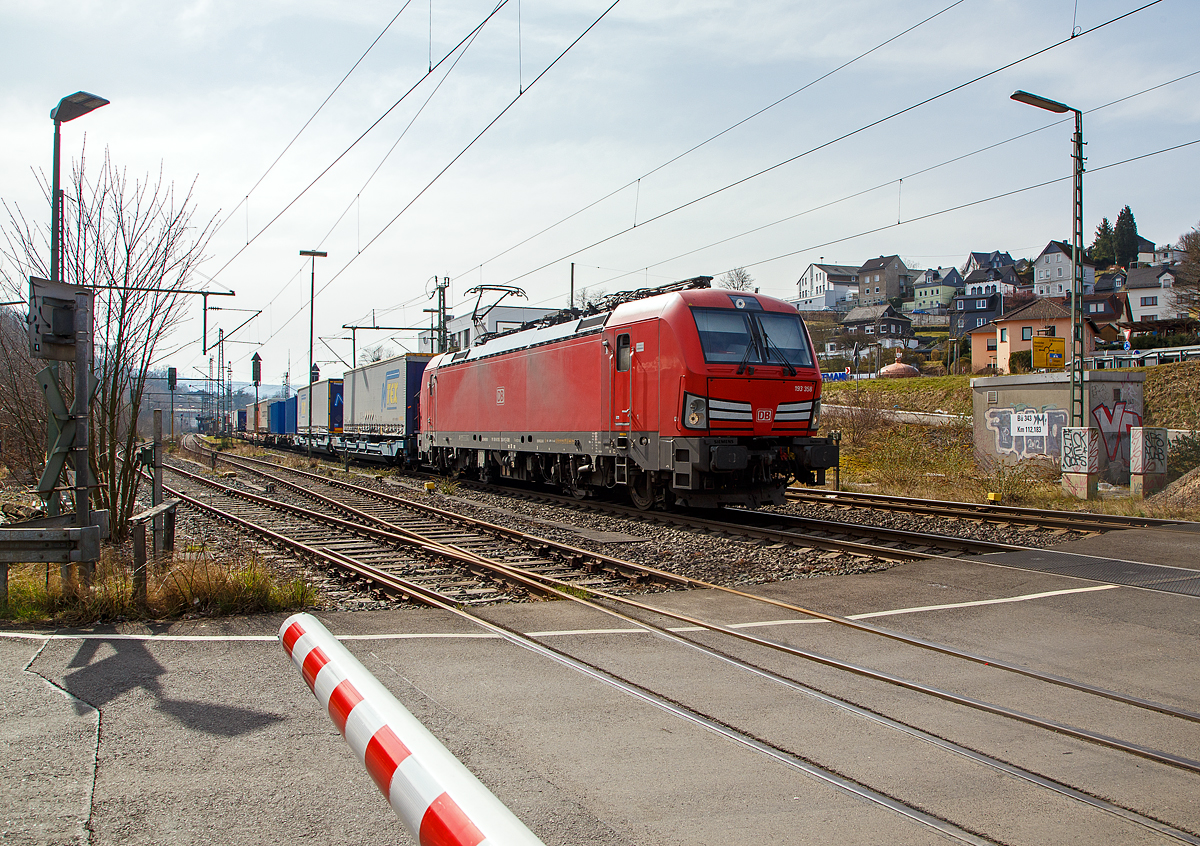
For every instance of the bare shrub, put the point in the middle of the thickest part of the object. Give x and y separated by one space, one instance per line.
1029 479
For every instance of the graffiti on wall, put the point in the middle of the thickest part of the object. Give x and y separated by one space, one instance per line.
1001 422
1148 451
1080 450
1114 426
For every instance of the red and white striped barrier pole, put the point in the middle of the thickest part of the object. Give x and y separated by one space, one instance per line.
433 794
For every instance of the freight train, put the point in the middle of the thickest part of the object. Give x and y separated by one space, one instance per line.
682 394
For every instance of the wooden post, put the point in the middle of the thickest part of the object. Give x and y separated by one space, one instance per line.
169 531
4 584
156 490
139 562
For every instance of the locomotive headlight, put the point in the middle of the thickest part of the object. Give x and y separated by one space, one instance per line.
695 412
816 415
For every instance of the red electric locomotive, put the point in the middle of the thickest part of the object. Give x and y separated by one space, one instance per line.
682 394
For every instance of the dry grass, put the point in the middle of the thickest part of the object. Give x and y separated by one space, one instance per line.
950 394
193 583
939 462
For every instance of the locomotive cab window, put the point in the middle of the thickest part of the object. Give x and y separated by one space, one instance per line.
725 335
623 357
784 336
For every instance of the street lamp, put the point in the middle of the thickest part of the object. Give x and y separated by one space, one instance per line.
312 296
1077 415
68 108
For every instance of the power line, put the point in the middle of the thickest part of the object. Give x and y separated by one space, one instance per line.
920 172
364 134
311 118
400 138
451 163
831 142
712 138
962 206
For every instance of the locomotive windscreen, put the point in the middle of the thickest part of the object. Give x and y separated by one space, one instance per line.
724 334
732 337
786 335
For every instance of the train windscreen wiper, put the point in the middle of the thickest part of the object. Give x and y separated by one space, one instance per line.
783 358
746 357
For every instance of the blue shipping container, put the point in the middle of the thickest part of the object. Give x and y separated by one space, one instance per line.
275 417
289 416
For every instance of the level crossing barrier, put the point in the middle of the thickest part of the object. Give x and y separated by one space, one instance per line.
434 795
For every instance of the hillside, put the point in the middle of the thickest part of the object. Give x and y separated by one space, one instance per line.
927 393
1171 399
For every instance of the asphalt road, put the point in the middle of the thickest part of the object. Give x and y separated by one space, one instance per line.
203 733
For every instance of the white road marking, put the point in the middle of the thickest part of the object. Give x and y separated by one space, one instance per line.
552 633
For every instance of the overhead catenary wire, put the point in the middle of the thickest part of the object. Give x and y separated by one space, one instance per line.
357 140
312 117
451 163
743 180
637 182
968 205
909 176
458 53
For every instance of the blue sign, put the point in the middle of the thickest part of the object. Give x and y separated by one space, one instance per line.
1126 346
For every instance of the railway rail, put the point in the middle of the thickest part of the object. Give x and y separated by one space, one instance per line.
1080 521
640 613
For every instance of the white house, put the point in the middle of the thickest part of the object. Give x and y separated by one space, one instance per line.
823 286
1151 294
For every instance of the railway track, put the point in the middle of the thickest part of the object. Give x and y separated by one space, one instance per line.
769 527
1079 521
666 623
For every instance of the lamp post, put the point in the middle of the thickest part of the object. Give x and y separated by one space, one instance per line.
68 108
1077 410
312 296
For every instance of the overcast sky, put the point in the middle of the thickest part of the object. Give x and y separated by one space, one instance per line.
213 90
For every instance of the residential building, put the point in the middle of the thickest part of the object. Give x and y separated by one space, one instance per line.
993 280
970 311
934 289
1052 272
976 261
994 342
879 324
1165 254
1152 295
822 286
882 279
1110 281
462 333
1106 311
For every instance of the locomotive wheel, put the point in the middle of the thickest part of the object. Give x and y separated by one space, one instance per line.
641 491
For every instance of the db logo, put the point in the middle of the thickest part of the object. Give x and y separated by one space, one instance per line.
499 396
764 414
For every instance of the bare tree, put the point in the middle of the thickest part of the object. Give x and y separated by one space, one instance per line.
22 408
588 294
376 352
1187 285
738 279
137 244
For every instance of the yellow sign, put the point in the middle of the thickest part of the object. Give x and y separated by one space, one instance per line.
1049 353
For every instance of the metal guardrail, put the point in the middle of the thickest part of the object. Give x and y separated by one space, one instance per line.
49 540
